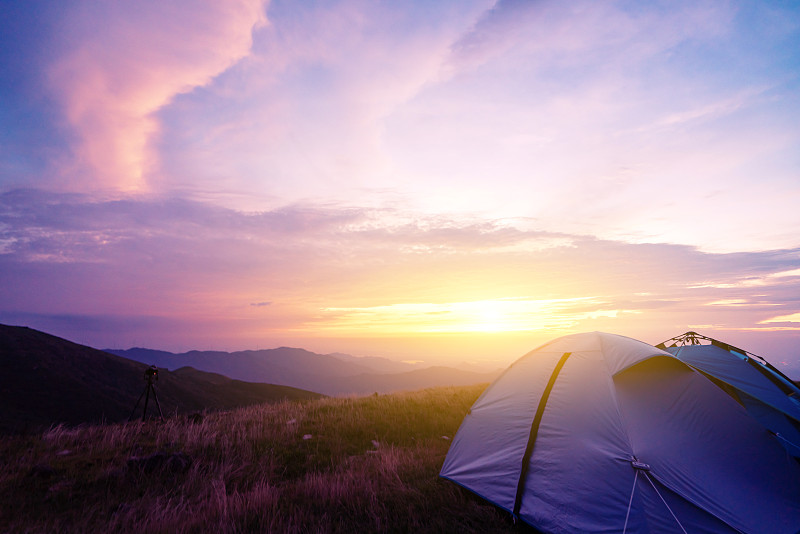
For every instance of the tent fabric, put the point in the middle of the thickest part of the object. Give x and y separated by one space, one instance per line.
785 429
755 387
629 437
740 374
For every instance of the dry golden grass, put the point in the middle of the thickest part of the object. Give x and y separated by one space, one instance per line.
367 464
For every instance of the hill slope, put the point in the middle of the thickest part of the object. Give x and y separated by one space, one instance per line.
48 380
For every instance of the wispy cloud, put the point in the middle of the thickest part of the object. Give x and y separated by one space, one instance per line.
496 31
791 318
120 63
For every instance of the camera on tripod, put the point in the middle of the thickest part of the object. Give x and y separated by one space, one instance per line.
151 374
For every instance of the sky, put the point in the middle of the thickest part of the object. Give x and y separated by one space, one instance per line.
453 181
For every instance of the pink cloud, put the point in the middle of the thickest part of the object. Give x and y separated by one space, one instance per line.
122 62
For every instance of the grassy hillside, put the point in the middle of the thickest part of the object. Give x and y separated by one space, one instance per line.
366 464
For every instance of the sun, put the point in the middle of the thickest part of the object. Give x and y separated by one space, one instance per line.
494 316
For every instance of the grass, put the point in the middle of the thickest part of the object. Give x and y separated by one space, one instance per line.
366 464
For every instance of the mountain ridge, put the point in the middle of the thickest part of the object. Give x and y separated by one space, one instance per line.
330 374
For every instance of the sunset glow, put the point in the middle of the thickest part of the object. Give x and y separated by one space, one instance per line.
509 315
420 180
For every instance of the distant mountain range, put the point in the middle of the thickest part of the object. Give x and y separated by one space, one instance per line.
48 380
331 374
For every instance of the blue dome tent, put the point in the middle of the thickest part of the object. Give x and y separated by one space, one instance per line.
597 432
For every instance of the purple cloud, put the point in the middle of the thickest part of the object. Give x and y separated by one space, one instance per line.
68 260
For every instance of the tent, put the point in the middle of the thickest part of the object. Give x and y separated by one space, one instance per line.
597 432
767 394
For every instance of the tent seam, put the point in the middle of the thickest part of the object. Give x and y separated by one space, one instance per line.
537 419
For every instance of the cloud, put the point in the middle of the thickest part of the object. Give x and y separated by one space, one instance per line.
791 318
194 275
303 118
590 118
582 35
495 32
599 118
179 251
121 62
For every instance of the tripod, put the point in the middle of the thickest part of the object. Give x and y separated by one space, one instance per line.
150 376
